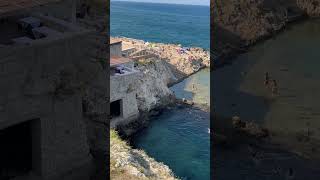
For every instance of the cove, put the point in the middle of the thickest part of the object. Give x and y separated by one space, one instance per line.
179 137
292 59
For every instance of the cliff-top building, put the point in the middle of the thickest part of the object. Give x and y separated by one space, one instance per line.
43 132
123 76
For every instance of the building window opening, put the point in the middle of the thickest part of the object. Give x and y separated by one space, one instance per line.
116 109
17 150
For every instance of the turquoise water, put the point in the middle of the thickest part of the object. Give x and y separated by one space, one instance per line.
178 137
195 88
166 23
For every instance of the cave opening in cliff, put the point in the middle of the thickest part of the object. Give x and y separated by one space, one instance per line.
19 152
116 108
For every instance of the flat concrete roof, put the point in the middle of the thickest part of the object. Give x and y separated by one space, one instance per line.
7 6
113 41
117 60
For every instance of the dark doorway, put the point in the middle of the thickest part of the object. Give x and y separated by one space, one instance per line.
115 108
16 152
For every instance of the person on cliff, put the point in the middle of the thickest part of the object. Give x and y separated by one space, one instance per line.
274 89
194 87
266 79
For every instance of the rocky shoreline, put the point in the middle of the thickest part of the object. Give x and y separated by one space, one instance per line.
162 66
128 163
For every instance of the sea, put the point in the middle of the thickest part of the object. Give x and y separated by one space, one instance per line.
188 25
178 137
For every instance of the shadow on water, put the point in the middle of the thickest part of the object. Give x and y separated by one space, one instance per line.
229 99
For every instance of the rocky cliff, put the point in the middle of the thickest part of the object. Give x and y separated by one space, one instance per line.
132 164
186 60
152 84
252 20
311 7
161 65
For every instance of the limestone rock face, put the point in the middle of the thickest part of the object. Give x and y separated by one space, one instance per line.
128 163
311 7
249 19
152 84
184 62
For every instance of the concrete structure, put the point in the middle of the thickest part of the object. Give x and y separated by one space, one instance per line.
43 130
115 48
123 76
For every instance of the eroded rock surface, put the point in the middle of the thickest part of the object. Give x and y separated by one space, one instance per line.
128 163
252 20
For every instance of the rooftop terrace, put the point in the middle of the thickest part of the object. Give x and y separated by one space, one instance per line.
115 60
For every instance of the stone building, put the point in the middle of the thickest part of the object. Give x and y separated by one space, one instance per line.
123 76
45 70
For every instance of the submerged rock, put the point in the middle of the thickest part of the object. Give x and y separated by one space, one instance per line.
249 128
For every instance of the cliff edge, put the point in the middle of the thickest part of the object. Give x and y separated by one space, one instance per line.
253 20
131 164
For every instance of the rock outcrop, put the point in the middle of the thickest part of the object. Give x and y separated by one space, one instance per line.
161 65
128 163
311 7
253 20
249 19
186 60
152 84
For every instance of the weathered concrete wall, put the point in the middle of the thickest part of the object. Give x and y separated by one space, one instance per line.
46 81
116 49
123 87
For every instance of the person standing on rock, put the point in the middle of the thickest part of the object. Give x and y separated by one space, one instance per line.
266 79
274 89
194 87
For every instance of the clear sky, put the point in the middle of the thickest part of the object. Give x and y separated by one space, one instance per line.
193 2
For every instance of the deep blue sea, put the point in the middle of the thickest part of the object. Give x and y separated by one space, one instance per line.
178 137
167 23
